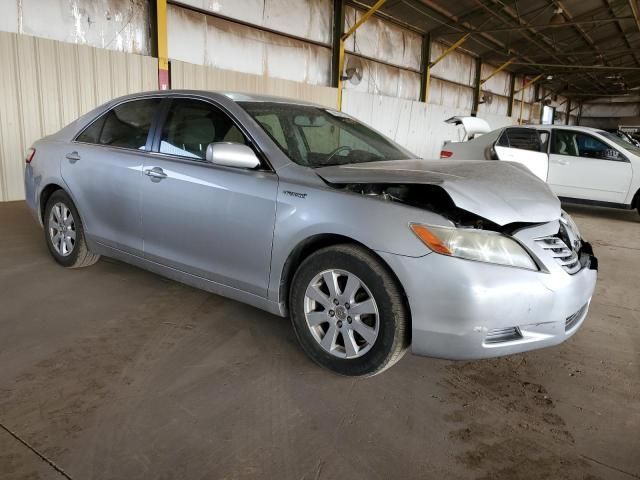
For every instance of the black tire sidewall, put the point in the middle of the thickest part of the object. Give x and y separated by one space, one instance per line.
374 278
69 260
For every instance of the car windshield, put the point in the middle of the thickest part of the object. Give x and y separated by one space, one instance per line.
621 142
316 137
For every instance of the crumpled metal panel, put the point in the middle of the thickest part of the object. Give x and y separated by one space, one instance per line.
309 19
121 25
383 40
457 66
381 79
206 40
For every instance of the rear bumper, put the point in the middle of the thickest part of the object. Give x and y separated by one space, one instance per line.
464 310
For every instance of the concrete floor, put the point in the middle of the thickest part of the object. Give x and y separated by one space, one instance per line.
113 372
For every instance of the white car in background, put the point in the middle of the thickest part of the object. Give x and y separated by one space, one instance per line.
580 164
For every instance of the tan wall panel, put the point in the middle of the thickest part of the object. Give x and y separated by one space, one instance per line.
45 84
188 75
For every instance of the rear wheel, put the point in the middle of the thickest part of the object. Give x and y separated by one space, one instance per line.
348 311
64 233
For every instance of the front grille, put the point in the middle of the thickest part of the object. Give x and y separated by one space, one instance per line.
565 256
572 320
498 335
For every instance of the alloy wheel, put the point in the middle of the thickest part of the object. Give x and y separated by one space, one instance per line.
341 313
62 229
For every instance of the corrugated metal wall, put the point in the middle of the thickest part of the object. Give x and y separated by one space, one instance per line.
199 77
46 84
417 126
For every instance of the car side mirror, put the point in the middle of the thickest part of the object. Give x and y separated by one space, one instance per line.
231 154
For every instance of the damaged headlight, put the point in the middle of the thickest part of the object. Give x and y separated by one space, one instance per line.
572 229
479 245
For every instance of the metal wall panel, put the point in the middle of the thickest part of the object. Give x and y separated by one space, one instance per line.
309 19
111 24
46 84
188 75
206 40
382 40
457 66
417 126
499 83
381 79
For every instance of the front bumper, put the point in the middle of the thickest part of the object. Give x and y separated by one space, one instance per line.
462 309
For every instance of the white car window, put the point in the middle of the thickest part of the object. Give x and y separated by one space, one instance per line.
523 139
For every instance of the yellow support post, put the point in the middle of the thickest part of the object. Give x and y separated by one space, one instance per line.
163 51
521 92
498 70
344 37
430 65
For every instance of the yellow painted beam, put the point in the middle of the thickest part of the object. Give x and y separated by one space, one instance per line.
364 18
163 49
430 65
344 37
498 70
521 91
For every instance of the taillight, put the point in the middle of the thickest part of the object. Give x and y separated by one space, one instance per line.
445 154
30 154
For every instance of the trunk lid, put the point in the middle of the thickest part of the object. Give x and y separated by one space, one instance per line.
502 192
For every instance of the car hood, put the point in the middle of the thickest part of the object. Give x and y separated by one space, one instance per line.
502 192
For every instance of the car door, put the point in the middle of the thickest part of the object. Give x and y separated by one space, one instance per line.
103 170
585 167
527 146
208 220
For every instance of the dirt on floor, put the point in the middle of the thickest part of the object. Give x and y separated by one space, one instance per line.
111 372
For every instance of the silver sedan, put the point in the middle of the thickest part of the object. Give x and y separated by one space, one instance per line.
301 210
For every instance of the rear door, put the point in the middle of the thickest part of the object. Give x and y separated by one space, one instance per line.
527 146
103 170
208 220
585 167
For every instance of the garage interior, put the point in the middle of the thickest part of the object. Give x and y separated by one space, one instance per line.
114 372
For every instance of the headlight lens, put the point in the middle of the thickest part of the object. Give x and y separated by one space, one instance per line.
479 245
571 224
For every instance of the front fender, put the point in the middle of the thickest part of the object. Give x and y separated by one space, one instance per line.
380 225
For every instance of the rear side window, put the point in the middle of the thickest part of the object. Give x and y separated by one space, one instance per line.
521 138
126 125
192 125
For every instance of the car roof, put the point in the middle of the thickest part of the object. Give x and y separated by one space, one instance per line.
564 127
216 94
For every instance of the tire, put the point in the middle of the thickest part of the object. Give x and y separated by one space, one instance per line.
61 218
323 328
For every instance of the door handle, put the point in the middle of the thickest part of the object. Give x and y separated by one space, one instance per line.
155 172
560 162
73 156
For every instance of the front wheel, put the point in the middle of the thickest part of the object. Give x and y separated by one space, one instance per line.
64 233
348 311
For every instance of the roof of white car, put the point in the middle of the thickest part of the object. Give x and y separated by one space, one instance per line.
564 127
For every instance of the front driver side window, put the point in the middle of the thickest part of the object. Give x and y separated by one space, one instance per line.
564 143
192 125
